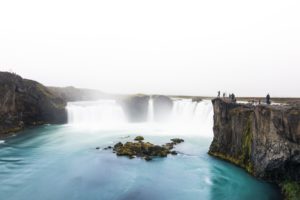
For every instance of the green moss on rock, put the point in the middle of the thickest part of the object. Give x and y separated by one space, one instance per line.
237 161
246 148
291 190
242 159
139 138
145 150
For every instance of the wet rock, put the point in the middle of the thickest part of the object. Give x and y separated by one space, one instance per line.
118 145
145 150
169 145
147 158
139 138
177 140
97 148
174 153
106 148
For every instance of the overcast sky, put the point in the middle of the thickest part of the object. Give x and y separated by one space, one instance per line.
158 46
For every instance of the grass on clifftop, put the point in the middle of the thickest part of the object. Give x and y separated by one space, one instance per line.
291 190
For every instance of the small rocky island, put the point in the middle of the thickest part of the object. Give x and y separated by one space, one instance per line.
145 150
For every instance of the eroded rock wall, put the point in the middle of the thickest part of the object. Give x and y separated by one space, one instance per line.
265 140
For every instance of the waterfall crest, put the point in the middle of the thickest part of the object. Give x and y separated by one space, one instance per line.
95 113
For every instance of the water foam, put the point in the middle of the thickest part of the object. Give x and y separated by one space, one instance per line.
187 117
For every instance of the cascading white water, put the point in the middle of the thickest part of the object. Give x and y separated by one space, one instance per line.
195 117
184 110
150 110
187 117
95 113
188 111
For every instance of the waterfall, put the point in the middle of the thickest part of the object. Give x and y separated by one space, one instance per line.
184 110
186 116
195 117
95 113
150 110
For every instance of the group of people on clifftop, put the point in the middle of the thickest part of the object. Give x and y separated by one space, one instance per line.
232 98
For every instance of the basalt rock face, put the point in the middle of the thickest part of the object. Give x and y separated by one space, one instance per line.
25 102
265 140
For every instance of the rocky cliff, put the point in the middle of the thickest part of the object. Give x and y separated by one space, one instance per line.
265 140
25 102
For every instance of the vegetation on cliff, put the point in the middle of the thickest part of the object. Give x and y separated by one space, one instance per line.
291 190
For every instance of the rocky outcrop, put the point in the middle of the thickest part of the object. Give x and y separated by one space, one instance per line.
25 102
145 150
265 140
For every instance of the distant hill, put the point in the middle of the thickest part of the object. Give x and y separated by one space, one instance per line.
79 94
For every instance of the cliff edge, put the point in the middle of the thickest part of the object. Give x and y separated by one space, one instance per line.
25 102
263 139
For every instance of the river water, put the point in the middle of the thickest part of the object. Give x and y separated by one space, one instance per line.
61 162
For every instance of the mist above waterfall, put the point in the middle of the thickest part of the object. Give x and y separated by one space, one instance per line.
185 117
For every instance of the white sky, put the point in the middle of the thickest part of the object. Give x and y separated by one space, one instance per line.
158 46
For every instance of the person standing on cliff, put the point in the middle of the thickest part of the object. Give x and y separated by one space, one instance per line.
233 99
268 99
219 93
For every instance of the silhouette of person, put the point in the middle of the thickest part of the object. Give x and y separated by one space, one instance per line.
219 93
268 99
233 99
